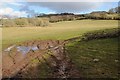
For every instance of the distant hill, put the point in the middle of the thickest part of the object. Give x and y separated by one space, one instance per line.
103 15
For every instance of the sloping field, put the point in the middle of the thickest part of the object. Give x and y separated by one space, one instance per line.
59 31
96 58
91 58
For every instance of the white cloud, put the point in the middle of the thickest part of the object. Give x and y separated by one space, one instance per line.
6 11
12 13
51 13
9 1
5 8
19 14
2 5
5 3
16 3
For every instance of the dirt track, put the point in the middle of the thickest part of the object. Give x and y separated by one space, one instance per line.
14 62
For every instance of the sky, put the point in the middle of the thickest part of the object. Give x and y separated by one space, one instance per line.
14 8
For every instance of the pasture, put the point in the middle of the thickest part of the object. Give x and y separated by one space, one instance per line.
56 31
83 54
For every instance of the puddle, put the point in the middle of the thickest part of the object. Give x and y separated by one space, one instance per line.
22 49
34 48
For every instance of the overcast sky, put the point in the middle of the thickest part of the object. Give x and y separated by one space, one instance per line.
22 9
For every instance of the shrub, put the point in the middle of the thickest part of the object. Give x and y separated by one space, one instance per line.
101 34
41 22
21 22
8 23
32 21
44 22
24 22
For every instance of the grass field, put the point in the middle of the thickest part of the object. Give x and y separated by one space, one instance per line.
81 53
105 50
59 31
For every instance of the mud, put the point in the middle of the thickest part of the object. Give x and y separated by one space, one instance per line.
51 52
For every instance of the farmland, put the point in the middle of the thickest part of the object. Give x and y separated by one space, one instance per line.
56 31
82 53
46 40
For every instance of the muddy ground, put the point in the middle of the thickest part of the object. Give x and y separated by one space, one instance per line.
51 52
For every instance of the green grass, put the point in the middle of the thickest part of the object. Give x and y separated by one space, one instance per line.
59 31
83 53
40 71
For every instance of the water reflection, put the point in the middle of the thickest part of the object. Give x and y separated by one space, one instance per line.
22 49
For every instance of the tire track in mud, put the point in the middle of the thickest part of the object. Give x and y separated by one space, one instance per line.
60 64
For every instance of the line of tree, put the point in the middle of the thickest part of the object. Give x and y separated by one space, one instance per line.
102 15
112 14
24 22
44 19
